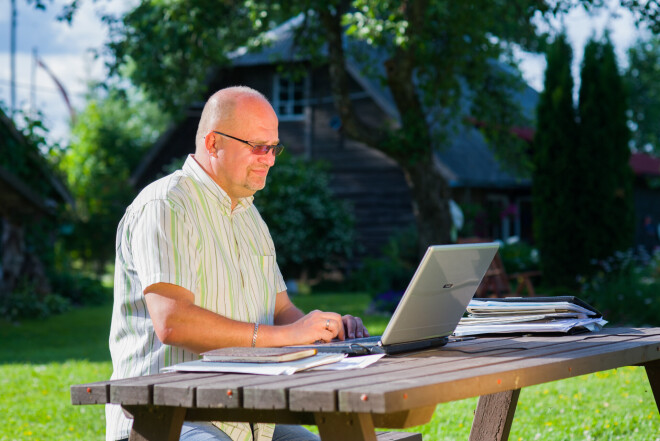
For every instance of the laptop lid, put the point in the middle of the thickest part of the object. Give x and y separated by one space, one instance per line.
438 294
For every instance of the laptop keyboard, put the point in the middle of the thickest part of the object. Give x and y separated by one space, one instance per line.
359 341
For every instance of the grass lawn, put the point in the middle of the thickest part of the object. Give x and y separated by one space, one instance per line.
40 359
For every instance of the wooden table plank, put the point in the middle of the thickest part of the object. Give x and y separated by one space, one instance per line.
91 393
263 393
497 377
181 391
326 396
139 390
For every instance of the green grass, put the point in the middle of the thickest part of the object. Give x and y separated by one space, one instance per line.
41 359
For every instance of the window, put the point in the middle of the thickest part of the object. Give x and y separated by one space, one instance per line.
289 98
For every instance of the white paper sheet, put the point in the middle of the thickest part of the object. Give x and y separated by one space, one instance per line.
350 363
283 368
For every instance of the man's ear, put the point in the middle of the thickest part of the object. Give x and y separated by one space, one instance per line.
209 144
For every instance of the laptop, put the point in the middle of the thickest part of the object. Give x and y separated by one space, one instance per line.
434 302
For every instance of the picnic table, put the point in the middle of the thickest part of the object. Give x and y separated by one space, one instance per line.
395 392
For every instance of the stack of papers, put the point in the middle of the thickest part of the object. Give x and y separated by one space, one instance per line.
274 368
529 315
325 361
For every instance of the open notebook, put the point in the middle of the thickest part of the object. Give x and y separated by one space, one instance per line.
432 305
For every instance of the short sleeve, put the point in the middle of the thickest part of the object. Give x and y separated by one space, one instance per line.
164 246
280 285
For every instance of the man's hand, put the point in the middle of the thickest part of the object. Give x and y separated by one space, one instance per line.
317 326
353 327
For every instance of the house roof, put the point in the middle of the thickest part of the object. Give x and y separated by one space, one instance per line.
17 197
473 163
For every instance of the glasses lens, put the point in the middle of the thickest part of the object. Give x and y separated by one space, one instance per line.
264 149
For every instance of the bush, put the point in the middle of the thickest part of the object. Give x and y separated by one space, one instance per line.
519 256
385 278
80 289
626 288
25 303
311 228
67 290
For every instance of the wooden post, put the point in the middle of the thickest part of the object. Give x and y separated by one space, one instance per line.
155 423
653 372
342 427
494 415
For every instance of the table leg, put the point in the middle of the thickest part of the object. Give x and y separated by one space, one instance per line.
494 415
653 372
156 423
345 426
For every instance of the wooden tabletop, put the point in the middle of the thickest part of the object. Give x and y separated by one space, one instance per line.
395 392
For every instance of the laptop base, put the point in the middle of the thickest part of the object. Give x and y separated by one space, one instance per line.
372 345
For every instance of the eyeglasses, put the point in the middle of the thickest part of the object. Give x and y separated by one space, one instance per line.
257 149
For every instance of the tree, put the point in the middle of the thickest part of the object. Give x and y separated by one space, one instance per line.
108 140
607 208
641 79
440 66
555 186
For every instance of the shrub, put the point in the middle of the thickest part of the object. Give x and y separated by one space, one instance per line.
626 288
385 278
24 302
311 228
80 289
67 290
519 256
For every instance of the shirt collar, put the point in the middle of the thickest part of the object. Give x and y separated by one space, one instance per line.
192 168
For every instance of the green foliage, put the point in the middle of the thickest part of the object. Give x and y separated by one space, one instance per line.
80 289
644 93
67 289
25 303
519 257
626 278
582 183
108 141
168 47
605 209
391 272
555 185
312 229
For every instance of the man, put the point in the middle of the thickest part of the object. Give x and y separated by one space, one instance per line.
196 269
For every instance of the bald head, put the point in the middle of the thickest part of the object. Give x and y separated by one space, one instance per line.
220 111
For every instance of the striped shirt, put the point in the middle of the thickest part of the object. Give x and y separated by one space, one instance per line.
181 230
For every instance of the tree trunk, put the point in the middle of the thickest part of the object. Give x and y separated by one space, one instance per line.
430 192
410 145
